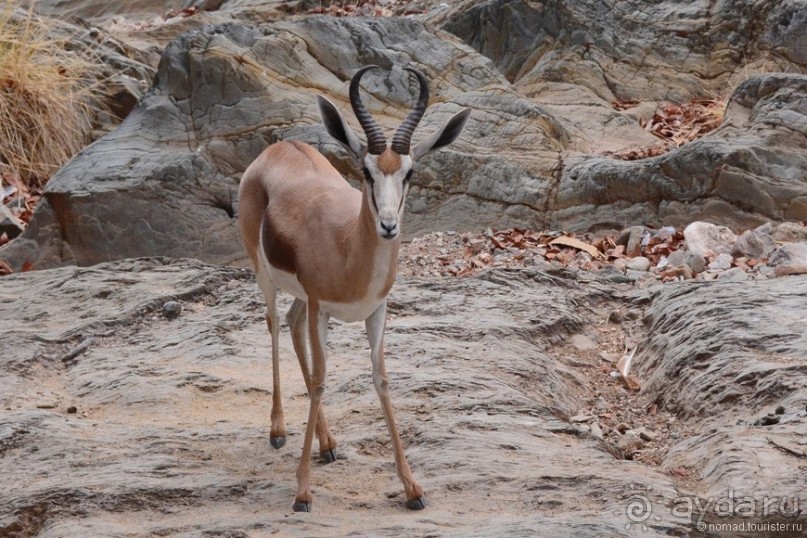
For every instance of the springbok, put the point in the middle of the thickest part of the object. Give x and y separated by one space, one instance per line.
334 248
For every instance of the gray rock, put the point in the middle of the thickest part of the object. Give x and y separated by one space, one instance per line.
633 239
788 270
178 414
753 244
695 262
594 189
677 257
9 224
765 270
721 262
628 444
735 274
789 254
766 228
165 182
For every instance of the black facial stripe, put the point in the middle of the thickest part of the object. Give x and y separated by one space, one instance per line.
372 196
408 176
403 197
368 176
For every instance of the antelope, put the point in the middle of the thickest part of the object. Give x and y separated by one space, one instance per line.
334 248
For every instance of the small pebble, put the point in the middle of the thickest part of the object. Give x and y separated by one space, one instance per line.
72 409
172 310
582 342
767 420
780 410
628 444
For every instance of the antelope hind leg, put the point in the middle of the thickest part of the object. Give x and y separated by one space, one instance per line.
296 318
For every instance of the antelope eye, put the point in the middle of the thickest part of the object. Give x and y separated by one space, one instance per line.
367 175
408 176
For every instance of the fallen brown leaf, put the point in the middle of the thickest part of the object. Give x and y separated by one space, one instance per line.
573 242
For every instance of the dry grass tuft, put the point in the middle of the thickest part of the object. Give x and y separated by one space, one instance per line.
49 94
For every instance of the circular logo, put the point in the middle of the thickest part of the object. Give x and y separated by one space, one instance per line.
638 509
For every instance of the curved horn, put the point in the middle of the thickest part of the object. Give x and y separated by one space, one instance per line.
376 143
403 136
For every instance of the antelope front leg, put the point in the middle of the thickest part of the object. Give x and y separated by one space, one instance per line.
375 334
317 330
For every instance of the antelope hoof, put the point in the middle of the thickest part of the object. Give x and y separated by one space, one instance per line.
301 506
278 441
327 456
415 504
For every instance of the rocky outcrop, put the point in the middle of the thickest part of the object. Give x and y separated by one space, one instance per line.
123 419
166 181
576 59
751 170
535 152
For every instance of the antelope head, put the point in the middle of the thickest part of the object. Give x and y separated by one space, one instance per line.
388 170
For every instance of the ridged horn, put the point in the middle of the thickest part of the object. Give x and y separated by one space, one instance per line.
403 136
376 143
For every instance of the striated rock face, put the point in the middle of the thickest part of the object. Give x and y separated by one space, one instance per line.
731 356
122 420
541 79
667 49
751 170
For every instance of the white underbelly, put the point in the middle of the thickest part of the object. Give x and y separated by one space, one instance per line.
351 311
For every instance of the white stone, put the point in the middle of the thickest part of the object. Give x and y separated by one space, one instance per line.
639 263
707 239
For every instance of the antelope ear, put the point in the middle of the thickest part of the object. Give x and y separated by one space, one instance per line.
443 137
337 128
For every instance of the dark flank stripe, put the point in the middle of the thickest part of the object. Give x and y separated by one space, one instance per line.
278 250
